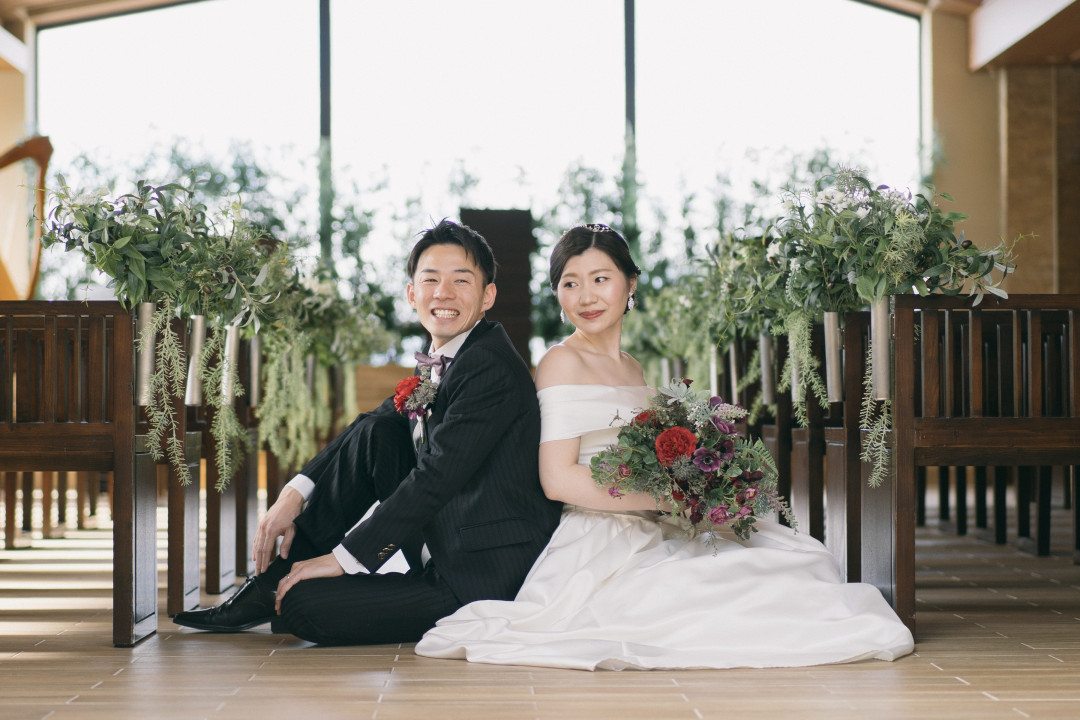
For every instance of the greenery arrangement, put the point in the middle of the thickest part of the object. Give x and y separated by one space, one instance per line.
313 320
158 245
745 299
848 243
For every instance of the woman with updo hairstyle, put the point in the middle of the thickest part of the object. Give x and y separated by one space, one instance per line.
622 584
580 238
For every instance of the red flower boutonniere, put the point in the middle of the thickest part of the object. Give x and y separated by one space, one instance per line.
413 396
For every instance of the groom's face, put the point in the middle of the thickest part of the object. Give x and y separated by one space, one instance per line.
448 292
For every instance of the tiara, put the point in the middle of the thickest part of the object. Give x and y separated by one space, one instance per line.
598 227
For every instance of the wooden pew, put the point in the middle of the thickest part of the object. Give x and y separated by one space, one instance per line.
66 404
928 432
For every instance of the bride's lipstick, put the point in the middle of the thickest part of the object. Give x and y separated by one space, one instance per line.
592 314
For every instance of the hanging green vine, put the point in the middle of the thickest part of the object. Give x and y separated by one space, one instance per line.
875 418
287 414
314 327
751 376
798 325
166 383
230 437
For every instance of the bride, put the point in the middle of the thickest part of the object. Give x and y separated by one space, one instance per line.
620 586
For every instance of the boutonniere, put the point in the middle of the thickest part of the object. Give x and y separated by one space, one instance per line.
414 395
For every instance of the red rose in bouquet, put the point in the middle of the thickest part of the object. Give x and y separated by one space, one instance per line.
674 443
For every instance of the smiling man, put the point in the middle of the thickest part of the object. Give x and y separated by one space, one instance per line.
455 479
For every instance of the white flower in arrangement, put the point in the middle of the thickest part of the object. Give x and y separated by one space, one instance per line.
897 201
773 251
862 212
851 277
127 219
830 196
91 197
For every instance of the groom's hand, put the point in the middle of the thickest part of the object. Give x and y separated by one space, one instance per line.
322 566
277 522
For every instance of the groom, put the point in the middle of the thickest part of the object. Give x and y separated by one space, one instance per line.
465 507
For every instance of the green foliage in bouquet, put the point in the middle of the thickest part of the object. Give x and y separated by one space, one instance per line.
685 451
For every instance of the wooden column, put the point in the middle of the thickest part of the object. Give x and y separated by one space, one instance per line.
1028 167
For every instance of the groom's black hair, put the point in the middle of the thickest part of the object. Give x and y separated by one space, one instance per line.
448 232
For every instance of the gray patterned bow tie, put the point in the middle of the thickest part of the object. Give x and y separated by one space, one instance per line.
436 363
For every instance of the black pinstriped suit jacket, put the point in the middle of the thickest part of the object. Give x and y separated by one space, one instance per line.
475 492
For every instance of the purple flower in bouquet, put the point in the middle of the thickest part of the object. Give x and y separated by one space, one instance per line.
706 460
747 495
720 419
718 514
723 426
615 492
624 470
726 449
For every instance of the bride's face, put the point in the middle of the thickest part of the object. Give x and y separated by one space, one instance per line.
593 291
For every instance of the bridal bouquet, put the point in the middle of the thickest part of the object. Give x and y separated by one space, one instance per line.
684 450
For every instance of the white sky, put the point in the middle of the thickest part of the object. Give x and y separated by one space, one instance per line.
517 91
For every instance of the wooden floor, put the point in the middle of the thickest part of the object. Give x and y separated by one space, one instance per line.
999 637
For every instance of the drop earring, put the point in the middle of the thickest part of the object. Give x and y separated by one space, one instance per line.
562 316
630 303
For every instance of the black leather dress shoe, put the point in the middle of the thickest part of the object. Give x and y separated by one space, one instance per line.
249 606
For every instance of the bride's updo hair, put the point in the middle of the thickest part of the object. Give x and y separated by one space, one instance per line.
578 239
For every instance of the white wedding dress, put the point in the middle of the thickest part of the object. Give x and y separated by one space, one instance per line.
626 590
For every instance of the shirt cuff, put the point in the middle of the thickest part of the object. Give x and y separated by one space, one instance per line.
303 485
348 563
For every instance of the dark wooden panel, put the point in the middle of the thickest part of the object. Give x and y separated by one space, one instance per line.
510 234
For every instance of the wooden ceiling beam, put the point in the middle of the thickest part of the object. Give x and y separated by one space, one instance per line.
911 7
45 13
13 53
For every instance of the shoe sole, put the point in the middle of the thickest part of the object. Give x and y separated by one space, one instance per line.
224 628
